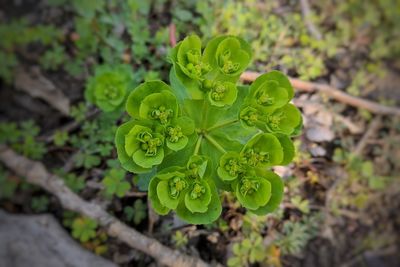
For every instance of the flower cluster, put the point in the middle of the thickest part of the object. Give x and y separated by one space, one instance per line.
215 70
108 88
267 105
189 190
204 133
156 129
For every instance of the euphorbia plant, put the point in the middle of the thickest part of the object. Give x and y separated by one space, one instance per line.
109 87
204 134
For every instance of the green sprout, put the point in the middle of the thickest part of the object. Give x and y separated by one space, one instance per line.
204 133
109 87
84 229
115 183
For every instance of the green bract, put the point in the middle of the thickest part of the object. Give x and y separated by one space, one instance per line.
109 87
204 133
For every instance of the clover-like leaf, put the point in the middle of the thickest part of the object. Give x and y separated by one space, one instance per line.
109 87
115 184
253 191
262 150
230 166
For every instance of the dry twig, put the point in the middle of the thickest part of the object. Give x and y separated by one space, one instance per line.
332 92
35 84
372 129
36 173
306 11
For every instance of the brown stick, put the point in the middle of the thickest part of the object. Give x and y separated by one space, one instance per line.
332 92
36 173
172 35
372 129
306 11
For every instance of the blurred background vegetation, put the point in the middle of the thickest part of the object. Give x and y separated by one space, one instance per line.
341 197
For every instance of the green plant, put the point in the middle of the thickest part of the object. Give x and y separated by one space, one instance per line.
295 235
137 213
250 250
203 132
115 183
40 204
84 229
179 239
95 139
109 87
60 138
22 138
8 185
76 183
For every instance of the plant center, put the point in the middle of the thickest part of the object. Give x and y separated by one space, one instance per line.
227 65
195 66
248 186
149 144
197 191
233 167
174 134
162 113
253 158
176 185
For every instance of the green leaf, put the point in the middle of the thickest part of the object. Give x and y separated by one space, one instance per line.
253 192
263 150
222 94
138 94
276 192
284 120
153 196
288 148
213 211
229 166
198 197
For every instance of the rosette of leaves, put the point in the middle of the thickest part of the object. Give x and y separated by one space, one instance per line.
204 133
109 87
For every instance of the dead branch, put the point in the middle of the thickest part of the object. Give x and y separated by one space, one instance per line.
35 84
36 173
306 11
372 129
332 92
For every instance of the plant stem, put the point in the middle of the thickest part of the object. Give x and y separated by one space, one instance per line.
198 143
227 123
215 143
